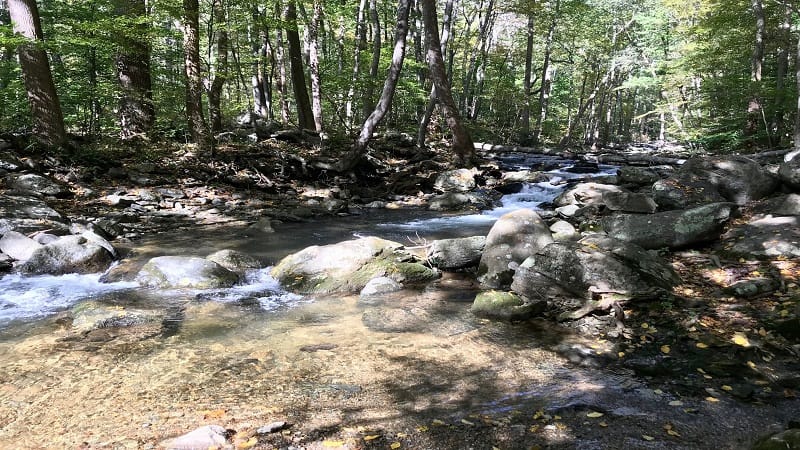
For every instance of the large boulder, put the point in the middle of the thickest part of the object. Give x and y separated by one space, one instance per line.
583 194
514 237
639 176
595 265
176 272
789 173
459 180
347 266
18 246
37 184
234 261
504 306
673 229
629 202
454 254
69 254
765 238
478 199
27 214
685 191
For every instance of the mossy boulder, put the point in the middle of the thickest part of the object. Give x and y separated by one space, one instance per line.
347 267
504 306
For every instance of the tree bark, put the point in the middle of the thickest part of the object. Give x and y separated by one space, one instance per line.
547 76
194 83
136 109
313 63
778 127
220 68
755 102
48 121
463 147
526 81
797 109
283 93
447 27
305 118
361 44
368 104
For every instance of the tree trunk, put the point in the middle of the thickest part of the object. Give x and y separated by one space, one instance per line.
361 45
368 104
305 118
313 63
48 121
778 127
194 83
755 103
526 81
797 109
220 68
463 147
283 92
396 66
547 75
447 28
136 110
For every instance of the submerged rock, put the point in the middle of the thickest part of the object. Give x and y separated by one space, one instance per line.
505 306
673 229
91 315
175 272
379 286
454 254
348 266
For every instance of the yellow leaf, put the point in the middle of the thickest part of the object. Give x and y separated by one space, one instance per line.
751 364
621 354
647 438
673 433
594 414
556 417
784 313
676 403
395 445
467 422
725 387
437 422
712 399
701 345
534 428
560 426
700 369
645 325
333 443
371 437
658 391
245 445
602 424
665 349
422 428
538 414
741 340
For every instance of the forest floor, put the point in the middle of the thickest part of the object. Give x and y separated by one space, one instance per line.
700 358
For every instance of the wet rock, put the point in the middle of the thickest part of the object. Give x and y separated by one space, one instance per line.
629 202
18 246
92 315
454 254
505 306
514 237
459 180
26 214
395 320
785 440
234 261
203 438
9 162
766 238
596 264
788 205
567 211
639 176
789 173
684 191
175 272
30 182
70 254
673 229
348 266
583 167
753 287
450 201
380 285
6 263
564 231
263 225
510 188
586 194
524 176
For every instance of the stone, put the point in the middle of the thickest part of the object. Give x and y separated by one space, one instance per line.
513 238
70 254
629 202
595 265
6 263
789 173
765 238
788 205
684 191
640 176
203 438
91 315
673 229
738 179
455 254
235 261
585 194
347 266
379 286
504 306
396 320
26 215
272 427
479 199
9 162
176 272
753 287
37 184
18 246
785 440
564 231
567 211
459 180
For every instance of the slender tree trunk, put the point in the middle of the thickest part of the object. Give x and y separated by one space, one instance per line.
447 28
283 92
477 57
368 103
136 109
526 82
547 75
463 146
755 103
220 68
48 121
778 127
797 109
396 66
313 63
361 45
258 79
194 83
305 118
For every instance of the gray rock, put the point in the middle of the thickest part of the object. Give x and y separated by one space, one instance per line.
348 266
673 229
175 272
6 263
737 178
567 211
234 261
18 246
454 254
263 225
91 315
789 173
26 214
38 184
9 162
594 265
505 306
788 205
766 238
45 238
525 176
685 191
785 440
479 199
753 287
379 286
585 194
512 239
203 438
70 254
396 320
564 231
273 427
629 202
459 180
640 176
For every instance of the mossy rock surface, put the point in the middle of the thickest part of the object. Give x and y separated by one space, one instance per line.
504 306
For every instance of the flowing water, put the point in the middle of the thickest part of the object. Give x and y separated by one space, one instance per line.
247 356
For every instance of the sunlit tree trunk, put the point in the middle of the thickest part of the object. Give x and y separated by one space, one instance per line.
48 121
313 63
305 118
797 109
526 81
447 27
194 83
220 68
754 105
463 147
778 127
361 45
547 75
136 110
368 104
283 92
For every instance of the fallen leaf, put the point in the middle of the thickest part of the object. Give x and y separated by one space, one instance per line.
534 428
645 325
658 391
741 340
701 345
467 422
437 422
422 428
213 413
538 414
371 437
594 414
751 364
245 445
602 424
712 399
333 444
395 445
673 433
647 438
725 387
665 349
676 403
621 354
